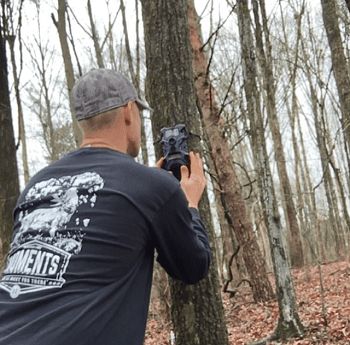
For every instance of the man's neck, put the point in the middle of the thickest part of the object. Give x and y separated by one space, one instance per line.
105 138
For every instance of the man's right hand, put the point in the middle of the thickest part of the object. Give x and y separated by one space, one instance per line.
193 183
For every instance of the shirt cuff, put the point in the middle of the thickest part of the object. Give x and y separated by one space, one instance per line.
194 212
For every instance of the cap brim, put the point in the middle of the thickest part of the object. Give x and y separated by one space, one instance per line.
143 105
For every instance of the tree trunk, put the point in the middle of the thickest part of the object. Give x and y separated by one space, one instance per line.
342 195
333 209
196 309
293 110
68 66
307 180
10 34
9 185
45 113
98 50
135 77
265 59
322 147
127 46
224 170
112 59
336 171
47 123
333 214
339 62
144 151
138 59
21 128
289 324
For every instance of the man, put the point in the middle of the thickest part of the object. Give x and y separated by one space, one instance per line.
80 266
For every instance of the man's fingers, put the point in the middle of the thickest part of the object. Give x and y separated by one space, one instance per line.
197 170
184 172
193 184
196 164
160 163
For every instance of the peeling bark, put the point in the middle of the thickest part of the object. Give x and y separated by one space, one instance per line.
224 169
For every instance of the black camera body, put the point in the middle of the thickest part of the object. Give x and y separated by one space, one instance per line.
175 151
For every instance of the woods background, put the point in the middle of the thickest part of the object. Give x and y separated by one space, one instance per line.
266 86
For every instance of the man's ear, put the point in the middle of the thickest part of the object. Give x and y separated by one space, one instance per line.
128 113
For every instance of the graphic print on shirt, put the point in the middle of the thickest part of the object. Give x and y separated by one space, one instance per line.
44 243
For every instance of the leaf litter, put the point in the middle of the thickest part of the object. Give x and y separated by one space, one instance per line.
248 321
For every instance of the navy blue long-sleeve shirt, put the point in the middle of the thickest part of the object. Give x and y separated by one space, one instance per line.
81 260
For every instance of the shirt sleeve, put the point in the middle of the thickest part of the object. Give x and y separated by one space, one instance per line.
181 240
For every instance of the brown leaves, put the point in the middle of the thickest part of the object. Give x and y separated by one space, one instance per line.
251 321
158 329
248 321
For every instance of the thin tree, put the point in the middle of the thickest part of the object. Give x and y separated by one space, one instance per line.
9 184
135 76
197 311
326 178
92 32
289 324
94 35
56 133
40 56
269 84
308 186
223 168
293 108
12 33
341 69
60 24
318 109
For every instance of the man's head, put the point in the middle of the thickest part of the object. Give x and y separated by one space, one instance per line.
101 90
105 100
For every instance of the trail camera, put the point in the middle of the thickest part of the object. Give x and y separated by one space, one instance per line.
174 140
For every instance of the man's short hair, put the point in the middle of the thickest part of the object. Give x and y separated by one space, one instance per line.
100 121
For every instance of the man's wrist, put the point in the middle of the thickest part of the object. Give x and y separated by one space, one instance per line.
193 206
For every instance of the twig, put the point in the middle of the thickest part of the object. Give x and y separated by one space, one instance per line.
217 30
250 182
230 272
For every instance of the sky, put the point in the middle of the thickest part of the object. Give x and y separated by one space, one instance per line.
84 46
49 37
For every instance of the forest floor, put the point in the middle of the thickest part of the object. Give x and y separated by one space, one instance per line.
248 321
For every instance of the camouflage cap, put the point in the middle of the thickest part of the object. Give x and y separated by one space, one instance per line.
101 90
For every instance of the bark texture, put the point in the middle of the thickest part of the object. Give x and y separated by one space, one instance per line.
289 324
224 169
21 128
135 76
9 185
339 62
68 66
196 309
265 60
94 35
